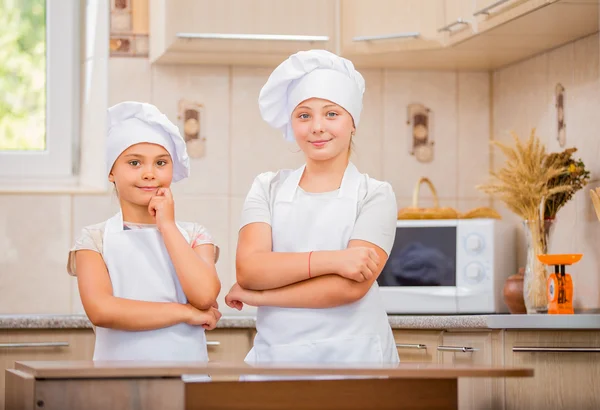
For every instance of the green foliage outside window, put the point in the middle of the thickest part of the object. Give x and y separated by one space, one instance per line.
22 74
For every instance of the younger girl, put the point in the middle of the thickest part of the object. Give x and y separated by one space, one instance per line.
147 283
314 240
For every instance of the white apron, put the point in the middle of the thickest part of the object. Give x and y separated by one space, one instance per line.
140 268
355 333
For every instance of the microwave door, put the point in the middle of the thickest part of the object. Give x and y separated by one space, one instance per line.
420 274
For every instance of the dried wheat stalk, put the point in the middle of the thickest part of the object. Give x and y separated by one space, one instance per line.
522 184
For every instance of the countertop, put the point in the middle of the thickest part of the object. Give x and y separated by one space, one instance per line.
441 322
124 369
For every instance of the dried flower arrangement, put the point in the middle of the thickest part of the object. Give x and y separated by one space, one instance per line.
535 185
574 175
523 183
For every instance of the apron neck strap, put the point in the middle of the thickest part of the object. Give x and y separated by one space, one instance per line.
115 224
348 187
350 182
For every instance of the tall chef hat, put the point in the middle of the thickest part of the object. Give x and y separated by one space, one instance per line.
132 122
310 74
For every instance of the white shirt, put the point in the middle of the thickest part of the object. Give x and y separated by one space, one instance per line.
377 210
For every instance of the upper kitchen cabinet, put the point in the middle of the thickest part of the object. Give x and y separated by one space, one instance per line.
257 32
459 34
508 31
459 21
382 26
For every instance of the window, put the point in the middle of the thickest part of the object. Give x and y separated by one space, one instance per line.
39 87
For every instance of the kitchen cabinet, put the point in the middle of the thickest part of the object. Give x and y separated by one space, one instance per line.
483 348
43 344
257 32
418 346
492 13
403 34
229 344
381 26
459 22
566 369
516 30
498 33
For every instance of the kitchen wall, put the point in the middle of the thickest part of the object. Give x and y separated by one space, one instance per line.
524 98
239 146
468 108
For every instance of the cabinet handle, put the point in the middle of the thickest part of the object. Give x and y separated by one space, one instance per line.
411 346
464 349
449 26
213 343
42 344
486 10
257 37
410 34
557 349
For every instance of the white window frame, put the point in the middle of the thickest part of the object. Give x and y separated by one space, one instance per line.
57 161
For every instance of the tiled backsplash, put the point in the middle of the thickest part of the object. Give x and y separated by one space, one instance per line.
239 145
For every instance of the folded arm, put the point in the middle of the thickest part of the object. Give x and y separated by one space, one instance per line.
259 268
323 292
105 310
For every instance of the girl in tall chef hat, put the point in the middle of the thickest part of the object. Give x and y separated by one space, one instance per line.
313 240
147 282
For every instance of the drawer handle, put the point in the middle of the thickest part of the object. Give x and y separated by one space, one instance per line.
463 349
41 344
456 23
486 10
557 349
250 37
411 346
213 343
410 34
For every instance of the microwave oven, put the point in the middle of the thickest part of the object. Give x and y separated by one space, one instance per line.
449 266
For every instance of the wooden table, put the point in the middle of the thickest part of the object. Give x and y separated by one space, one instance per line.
155 385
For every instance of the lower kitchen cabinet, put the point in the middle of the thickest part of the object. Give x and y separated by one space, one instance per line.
475 348
418 346
230 345
566 366
566 362
42 345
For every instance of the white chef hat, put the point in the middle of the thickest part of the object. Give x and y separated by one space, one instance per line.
310 74
132 122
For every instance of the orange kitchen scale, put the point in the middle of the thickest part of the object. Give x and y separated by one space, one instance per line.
560 284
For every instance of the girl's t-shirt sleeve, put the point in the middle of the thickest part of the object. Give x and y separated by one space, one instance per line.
377 218
199 235
90 239
257 204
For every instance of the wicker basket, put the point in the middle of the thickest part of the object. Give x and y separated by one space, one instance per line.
437 212
480 212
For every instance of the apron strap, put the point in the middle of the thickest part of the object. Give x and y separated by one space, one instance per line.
348 188
115 224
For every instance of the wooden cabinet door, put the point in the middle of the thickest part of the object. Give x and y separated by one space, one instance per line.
380 26
239 31
42 345
475 348
458 21
566 369
230 345
417 346
491 14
